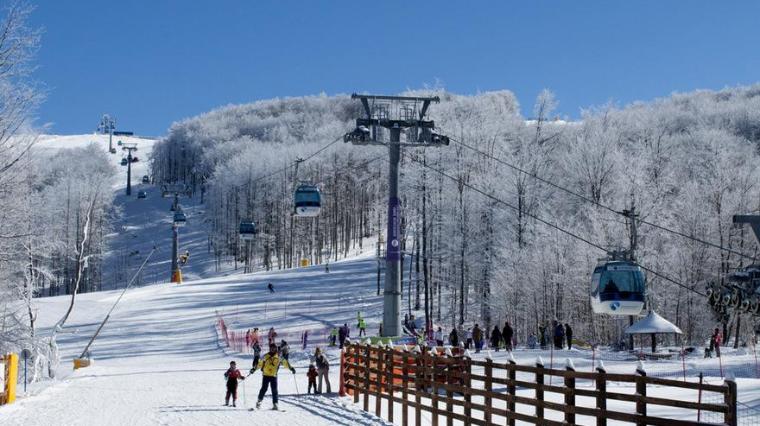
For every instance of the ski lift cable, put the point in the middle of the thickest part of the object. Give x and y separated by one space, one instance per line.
300 160
552 225
598 204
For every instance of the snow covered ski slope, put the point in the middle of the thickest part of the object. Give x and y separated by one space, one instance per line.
159 360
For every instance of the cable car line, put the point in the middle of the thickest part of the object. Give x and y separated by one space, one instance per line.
598 204
547 223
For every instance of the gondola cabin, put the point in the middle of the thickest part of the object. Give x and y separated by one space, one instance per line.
124 162
308 201
618 288
247 230
180 219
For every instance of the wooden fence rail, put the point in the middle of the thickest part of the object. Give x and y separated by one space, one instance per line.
447 387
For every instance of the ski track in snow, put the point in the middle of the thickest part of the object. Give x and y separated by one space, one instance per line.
159 361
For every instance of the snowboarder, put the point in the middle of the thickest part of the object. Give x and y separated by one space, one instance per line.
569 336
496 338
270 287
507 334
232 375
312 375
453 338
269 366
323 368
477 337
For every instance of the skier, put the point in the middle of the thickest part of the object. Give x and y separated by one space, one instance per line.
333 336
183 258
255 336
507 334
496 338
362 327
256 353
312 375
569 336
305 339
284 349
270 287
477 337
327 268
232 375
323 369
269 366
272 334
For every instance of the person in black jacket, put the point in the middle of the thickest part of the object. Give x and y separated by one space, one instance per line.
569 336
496 338
507 334
453 338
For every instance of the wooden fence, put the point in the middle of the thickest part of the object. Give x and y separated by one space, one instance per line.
453 388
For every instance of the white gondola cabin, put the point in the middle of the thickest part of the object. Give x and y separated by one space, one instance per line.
307 200
618 287
247 230
180 219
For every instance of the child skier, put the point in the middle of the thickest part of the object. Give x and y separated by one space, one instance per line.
232 375
269 366
312 375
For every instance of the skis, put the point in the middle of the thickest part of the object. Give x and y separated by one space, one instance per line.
271 409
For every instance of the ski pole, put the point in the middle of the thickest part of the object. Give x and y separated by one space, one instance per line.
296 382
244 404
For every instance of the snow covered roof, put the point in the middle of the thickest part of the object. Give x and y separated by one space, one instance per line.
652 323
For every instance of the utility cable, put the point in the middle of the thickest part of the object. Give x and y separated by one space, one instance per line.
549 224
598 204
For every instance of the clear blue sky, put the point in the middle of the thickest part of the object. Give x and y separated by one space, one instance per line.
151 62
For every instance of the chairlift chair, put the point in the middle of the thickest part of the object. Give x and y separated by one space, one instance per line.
618 287
180 219
307 200
124 162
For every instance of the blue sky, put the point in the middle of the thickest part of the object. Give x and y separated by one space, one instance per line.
152 62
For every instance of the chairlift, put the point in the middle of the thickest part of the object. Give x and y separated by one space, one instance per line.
618 287
247 230
112 150
307 200
146 179
180 219
142 194
124 162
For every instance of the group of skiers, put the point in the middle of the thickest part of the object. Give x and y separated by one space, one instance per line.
504 338
339 335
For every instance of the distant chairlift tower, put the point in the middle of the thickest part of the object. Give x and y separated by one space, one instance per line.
108 125
129 147
398 115
179 220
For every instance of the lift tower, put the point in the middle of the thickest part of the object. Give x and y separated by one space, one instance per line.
129 147
394 116
108 125
176 191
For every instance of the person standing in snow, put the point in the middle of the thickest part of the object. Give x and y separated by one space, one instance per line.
438 336
342 335
269 366
477 337
569 336
333 336
542 336
559 335
508 334
454 338
255 336
312 376
323 368
270 287
284 350
232 375
271 336
468 338
715 341
496 338
256 353
532 341
362 327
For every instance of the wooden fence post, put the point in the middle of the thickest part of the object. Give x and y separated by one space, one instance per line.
729 399
379 379
467 388
641 391
511 389
569 392
601 397
540 388
418 383
367 350
434 387
405 388
355 372
488 388
450 394
390 367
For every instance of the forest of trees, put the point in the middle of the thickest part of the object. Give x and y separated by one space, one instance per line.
55 205
473 224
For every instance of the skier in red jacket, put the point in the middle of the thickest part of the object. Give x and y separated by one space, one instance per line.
232 375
